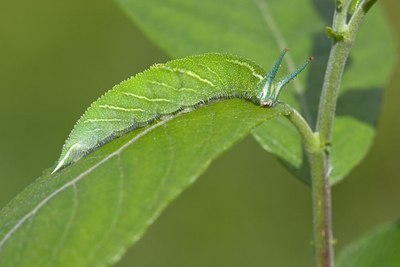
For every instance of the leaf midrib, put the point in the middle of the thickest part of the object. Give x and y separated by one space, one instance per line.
78 178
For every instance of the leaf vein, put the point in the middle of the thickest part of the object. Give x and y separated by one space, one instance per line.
68 227
163 179
116 214
80 177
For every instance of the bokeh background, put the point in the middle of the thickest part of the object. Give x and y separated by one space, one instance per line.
56 57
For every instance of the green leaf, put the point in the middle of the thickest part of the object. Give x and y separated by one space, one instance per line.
88 213
380 248
258 30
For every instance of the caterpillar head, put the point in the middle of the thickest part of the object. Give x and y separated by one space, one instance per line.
269 89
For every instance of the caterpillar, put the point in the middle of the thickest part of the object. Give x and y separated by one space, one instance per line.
167 89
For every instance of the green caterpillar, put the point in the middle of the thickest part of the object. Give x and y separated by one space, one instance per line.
167 89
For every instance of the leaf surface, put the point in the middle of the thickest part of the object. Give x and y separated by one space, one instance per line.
89 212
258 30
381 247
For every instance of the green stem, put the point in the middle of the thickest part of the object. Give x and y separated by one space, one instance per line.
322 218
320 160
321 198
310 139
337 59
317 144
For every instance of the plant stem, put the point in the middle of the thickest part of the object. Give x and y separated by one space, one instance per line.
320 160
333 76
321 198
322 218
317 145
310 139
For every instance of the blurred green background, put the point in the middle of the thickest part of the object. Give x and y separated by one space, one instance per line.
56 57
